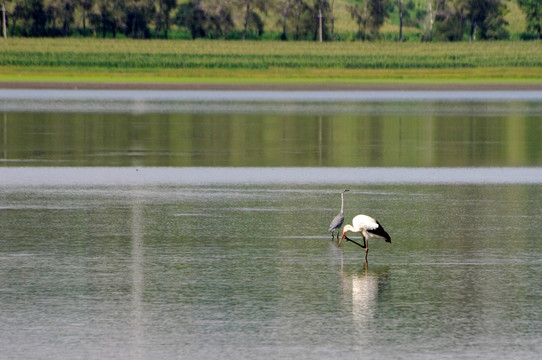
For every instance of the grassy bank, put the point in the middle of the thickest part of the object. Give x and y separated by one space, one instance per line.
98 60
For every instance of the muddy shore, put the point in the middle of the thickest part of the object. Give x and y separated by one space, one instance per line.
274 87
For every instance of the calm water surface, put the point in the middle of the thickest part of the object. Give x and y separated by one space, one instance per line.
211 242
249 271
346 129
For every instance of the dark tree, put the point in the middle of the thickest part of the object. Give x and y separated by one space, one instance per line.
191 16
285 9
299 8
220 14
487 16
379 11
138 14
533 15
360 14
32 13
86 6
248 8
107 16
310 20
163 17
370 16
472 17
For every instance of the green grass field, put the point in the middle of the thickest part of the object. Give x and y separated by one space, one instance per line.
126 60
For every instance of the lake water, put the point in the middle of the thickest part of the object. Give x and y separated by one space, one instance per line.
200 231
183 129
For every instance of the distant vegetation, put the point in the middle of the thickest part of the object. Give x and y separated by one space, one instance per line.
251 55
126 60
329 20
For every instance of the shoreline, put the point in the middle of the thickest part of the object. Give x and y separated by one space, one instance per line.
46 85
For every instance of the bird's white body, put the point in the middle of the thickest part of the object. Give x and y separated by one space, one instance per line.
369 228
364 224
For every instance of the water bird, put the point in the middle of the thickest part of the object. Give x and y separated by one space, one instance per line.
339 219
369 228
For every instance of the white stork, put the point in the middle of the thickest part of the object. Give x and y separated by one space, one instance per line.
369 228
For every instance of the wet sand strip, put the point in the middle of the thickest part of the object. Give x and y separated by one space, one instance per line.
273 87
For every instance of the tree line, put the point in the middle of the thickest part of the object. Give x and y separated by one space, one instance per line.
445 20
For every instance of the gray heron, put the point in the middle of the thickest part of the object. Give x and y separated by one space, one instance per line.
338 221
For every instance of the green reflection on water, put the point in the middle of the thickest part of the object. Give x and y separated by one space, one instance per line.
372 138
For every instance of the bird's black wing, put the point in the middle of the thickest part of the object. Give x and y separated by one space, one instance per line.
379 230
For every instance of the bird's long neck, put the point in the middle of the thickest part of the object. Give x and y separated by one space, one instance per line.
342 202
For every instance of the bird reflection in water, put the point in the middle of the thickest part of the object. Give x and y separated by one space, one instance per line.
364 287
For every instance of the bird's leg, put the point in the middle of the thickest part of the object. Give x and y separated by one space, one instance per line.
366 249
355 242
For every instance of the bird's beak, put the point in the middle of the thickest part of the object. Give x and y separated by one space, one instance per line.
340 241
